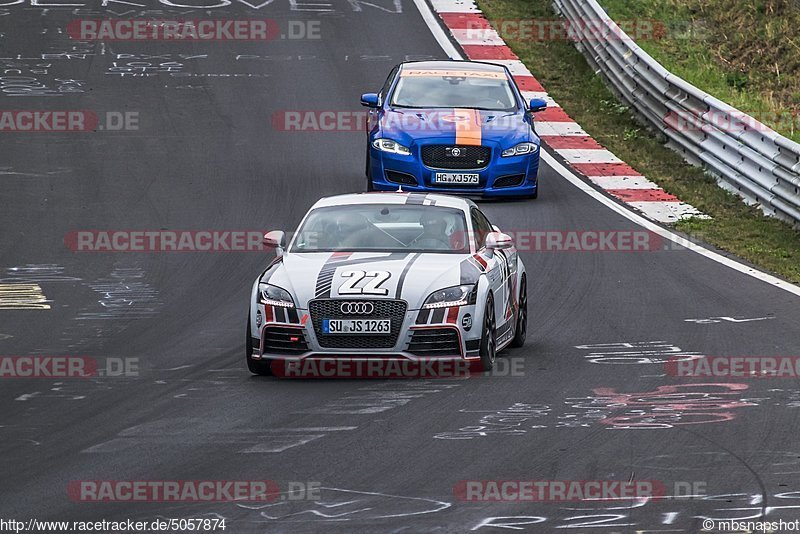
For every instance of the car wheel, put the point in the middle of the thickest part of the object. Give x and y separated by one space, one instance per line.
488 349
257 367
522 315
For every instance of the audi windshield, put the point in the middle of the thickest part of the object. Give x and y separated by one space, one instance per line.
383 227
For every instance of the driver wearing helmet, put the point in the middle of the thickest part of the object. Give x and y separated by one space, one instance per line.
434 232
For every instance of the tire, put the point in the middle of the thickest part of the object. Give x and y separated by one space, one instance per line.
521 330
488 348
257 367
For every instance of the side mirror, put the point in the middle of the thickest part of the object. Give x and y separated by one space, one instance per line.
370 100
537 104
275 239
498 241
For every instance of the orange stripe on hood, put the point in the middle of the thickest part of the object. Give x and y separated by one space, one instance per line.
468 126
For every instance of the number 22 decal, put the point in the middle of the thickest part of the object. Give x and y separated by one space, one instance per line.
372 287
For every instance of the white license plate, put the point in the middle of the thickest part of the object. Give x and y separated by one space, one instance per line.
357 326
456 178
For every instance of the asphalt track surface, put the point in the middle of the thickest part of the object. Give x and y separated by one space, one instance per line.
388 453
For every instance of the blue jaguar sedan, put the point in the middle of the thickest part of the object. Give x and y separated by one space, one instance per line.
459 127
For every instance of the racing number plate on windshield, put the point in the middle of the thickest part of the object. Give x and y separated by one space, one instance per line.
357 326
456 178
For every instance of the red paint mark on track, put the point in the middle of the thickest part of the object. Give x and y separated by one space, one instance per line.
489 52
465 21
553 115
529 83
643 195
560 142
605 169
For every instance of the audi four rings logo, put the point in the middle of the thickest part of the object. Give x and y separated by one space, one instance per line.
357 308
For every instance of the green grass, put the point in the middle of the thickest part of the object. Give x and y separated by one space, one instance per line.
744 52
735 227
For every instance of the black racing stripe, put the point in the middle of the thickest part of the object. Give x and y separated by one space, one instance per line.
280 314
293 317
469 272
325 276
509 283
403 275
416 198
438 315
424 315
324 281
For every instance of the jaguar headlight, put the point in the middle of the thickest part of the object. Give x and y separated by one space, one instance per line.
520 150
387 145
275 296
450 296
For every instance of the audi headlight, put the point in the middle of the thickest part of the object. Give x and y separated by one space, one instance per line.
387 145
450 296
520 150
275 296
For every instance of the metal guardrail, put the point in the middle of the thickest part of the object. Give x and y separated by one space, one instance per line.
748 158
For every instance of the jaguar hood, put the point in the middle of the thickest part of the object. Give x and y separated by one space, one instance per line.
455 126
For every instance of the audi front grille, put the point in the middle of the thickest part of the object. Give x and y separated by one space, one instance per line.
284 340
434 342
331 309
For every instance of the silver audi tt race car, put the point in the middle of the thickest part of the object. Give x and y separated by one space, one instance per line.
407 276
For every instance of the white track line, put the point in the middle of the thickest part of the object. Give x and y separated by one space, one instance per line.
663 232
433 23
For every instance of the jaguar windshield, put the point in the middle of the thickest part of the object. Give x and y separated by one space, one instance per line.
432 89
